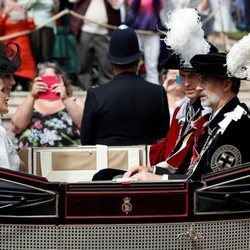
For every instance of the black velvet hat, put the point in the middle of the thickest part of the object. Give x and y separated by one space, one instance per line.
174 61
123 46
212 64
171 62
10 60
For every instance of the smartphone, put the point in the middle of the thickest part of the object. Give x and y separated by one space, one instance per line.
178 79
49 80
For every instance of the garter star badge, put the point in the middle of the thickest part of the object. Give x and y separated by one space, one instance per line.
224 157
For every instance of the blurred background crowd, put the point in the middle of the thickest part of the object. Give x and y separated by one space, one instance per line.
78 40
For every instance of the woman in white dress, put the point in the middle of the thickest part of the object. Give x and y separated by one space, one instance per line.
223 22
9 63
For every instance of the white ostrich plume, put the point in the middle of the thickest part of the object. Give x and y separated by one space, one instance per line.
238 59
185 35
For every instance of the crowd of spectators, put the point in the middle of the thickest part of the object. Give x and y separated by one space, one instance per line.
86 40
124 108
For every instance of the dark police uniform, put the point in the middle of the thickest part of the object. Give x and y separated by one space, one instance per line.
126 111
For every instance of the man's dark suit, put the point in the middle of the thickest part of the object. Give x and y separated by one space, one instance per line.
126 111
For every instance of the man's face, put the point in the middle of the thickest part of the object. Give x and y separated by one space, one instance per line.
8 82
3 99
189 83
211 91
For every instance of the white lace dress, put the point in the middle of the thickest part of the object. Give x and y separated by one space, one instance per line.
8 154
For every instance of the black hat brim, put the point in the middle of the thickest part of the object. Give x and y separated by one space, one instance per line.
213 64
173 62
123 60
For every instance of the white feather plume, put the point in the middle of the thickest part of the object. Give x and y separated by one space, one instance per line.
185 35
238 59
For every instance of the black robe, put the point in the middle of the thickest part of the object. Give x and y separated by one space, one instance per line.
219 150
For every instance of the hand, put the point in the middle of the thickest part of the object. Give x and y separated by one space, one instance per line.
141 173
59 88
134 170
38 86
112 2
115 4
170 80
